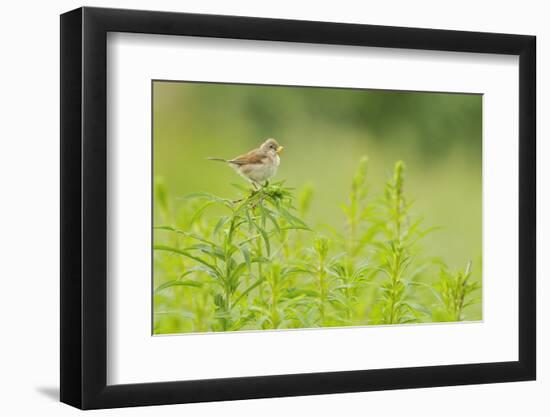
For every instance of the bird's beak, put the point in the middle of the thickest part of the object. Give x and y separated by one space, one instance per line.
280 150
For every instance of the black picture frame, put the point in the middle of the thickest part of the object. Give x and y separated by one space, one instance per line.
84 207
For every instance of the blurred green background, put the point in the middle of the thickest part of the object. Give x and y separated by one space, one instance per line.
325 131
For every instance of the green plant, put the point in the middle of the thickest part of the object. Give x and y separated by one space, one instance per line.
231 258
397 252
393 253
361 225
456 291
224 264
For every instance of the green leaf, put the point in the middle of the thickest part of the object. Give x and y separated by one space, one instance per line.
187 234
246 256
293 219
298 270
265 238
295 292
198 213
260 260
204 196
271 218
214 252
174 283
221 222
237 271
258 282
177 251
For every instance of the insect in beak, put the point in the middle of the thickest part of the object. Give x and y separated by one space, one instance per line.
280 149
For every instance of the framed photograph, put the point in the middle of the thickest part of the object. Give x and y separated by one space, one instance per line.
258 208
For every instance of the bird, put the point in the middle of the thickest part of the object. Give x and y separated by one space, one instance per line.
259 165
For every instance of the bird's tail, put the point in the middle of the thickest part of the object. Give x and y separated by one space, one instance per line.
217 159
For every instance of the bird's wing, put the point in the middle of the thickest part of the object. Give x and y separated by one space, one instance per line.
252 157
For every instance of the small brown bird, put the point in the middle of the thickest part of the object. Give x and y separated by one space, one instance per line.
258 165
